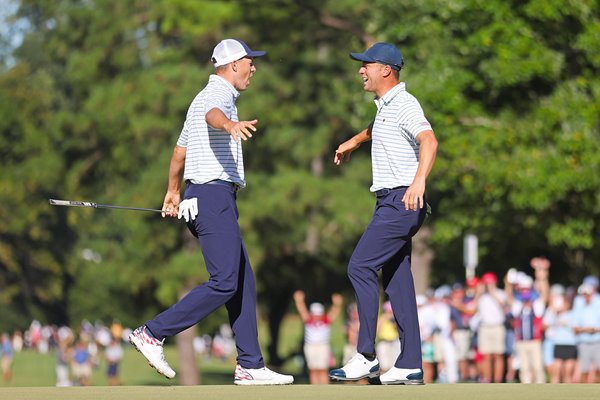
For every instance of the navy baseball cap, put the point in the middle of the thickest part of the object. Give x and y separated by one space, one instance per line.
382 53
229 50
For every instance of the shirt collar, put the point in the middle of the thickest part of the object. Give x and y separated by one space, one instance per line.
222 81
389 95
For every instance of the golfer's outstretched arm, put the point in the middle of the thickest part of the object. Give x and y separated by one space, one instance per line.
343 151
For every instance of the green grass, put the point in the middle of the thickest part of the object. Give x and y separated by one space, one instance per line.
297 392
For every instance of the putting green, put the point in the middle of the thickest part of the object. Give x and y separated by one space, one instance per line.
297 392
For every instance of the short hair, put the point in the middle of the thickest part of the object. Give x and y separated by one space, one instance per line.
221 68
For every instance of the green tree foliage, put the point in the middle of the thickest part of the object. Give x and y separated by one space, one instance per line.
95 100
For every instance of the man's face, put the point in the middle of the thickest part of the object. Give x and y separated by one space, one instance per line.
371 74
244 70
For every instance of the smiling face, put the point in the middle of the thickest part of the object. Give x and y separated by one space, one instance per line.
244 69
378 78
371 75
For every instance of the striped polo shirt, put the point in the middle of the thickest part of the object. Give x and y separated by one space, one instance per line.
212 153
394 148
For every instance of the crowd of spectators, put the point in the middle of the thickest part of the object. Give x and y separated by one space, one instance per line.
527 331
81 351
516 329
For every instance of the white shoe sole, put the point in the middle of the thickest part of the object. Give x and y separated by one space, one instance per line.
259 383
139 346
403 382
367 376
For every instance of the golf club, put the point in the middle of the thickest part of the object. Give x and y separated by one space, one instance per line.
70 203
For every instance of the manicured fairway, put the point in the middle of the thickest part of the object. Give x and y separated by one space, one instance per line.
296 392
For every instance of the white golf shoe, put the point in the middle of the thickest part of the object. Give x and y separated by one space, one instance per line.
402 376
152 349
260 376
356 369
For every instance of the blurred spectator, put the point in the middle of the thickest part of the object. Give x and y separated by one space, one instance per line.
351 330
33 335
82 363
426 315
527 309
445 351
202 345
102 335
63 356
580 300
388 340
491 334
462 310
558 324
17 341
556 301
6 356
317 335
116 330
114 355
223 344
587 328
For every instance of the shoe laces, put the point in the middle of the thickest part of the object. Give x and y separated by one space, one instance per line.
150 339
357 358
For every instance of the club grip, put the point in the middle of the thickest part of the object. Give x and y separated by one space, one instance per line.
71 203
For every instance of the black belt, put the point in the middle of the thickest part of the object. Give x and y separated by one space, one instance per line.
384 191
232 185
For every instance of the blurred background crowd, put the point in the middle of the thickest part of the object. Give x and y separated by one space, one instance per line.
513 328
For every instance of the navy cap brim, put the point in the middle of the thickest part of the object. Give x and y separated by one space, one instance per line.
365 58
361 57
257 53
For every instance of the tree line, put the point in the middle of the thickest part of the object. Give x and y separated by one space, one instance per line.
94 97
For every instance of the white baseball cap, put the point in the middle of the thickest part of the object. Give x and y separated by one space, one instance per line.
229 50
317 309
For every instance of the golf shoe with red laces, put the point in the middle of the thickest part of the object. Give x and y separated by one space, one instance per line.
260 376
152 349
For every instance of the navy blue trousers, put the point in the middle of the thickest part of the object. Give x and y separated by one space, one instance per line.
231 279
386 245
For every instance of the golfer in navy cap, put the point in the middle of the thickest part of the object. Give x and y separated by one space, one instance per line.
403 150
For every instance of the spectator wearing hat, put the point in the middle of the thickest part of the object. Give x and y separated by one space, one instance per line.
587 329
445 350
527 309
317 335
592 282
491 334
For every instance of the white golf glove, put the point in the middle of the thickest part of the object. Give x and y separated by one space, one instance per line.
188 209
